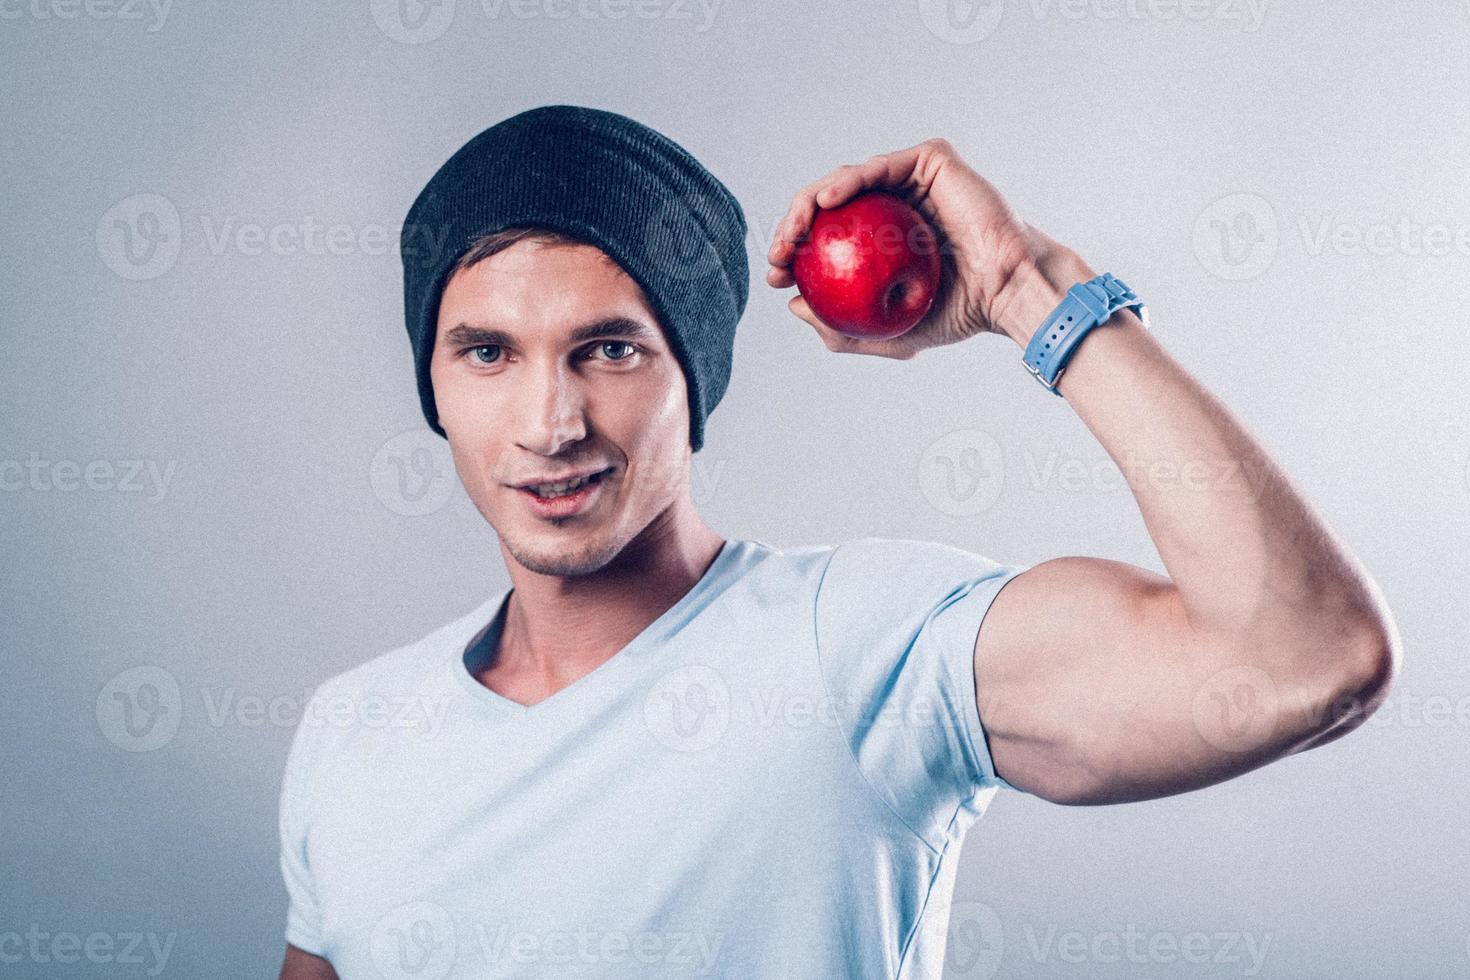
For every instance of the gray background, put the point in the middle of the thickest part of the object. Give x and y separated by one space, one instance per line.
265 389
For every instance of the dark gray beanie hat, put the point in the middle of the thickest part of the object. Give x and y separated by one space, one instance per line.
609 181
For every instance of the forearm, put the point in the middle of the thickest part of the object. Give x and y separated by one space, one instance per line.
1252 561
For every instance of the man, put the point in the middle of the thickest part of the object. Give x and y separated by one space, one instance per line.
665 753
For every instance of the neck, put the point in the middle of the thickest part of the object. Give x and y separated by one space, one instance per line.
560 627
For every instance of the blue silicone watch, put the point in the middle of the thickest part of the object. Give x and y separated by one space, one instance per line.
1086 305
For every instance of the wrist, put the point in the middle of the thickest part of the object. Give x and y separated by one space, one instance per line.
1034 290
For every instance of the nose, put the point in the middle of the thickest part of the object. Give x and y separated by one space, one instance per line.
553 414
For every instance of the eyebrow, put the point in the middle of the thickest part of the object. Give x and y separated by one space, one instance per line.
618 326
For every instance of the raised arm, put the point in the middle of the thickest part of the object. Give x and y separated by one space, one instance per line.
1099 681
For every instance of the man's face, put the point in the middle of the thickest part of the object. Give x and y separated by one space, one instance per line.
522 397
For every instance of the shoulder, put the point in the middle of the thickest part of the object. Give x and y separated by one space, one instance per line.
414 673
901 563
411 663
896 588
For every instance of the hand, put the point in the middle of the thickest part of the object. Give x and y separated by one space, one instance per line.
984 245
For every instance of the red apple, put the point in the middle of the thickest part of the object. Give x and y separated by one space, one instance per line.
869 267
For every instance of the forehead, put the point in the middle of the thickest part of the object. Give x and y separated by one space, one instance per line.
537 285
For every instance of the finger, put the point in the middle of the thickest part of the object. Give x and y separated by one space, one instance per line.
841 343
780 277
891 170
798 306
793 225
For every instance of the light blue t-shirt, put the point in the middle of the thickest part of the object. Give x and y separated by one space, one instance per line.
772 781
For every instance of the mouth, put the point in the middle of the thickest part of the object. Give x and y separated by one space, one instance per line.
564 486
565 498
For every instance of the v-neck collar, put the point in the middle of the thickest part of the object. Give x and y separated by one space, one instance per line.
477 634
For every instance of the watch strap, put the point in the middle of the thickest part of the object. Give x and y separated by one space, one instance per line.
1086 305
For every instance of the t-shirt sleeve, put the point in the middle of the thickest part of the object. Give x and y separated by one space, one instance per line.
896 625
303 916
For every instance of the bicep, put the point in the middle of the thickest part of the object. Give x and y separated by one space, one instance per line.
1093 688
301 965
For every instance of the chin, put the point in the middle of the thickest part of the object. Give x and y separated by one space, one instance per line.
556 554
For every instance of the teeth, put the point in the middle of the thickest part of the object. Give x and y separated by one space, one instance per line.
557 489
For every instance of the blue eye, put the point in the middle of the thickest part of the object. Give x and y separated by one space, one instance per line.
479 356
617 343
